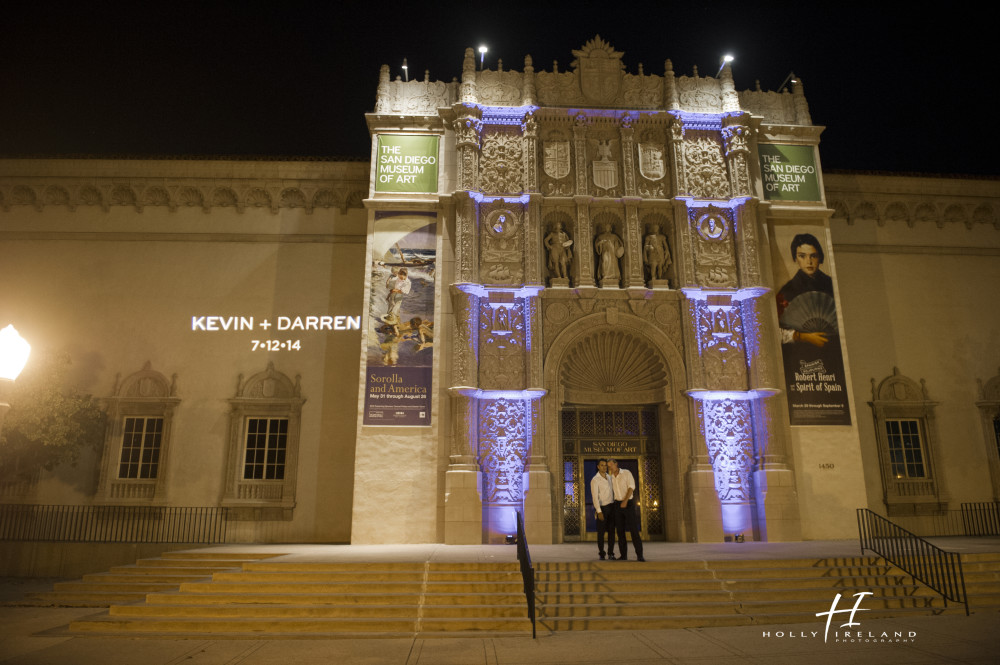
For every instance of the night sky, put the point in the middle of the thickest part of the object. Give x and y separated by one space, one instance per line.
896 91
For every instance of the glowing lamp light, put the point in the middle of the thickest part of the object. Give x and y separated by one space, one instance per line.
406 71
482 55
727 58
14 352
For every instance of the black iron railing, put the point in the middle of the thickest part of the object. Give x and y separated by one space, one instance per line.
114 524
981 519
918 558
527 571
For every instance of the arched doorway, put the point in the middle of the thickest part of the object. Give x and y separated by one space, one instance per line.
613 382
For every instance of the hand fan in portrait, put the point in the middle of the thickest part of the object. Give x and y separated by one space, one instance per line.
813 311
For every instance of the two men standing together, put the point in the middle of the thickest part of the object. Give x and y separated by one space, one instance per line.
613 492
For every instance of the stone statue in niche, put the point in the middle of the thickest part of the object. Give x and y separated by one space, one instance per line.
656 255
609 250
560 248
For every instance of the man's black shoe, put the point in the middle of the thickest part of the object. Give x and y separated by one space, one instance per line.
611 557
602 557
641 559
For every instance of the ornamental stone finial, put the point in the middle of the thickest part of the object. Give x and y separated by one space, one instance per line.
670 99
382 92
730 100
468 88
802 116
528 90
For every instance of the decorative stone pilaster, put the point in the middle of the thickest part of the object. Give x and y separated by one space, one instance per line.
735 138
748 247
468 128
465 354
675 133
632 270
534 252
583 255
580 123
466 233
628 154
529 152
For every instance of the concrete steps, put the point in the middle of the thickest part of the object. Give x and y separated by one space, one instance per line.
131 584
610 595
982 581
275 599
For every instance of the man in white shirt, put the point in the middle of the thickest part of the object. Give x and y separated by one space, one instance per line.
625 515
602 493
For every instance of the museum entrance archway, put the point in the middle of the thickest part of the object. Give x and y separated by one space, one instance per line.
630 434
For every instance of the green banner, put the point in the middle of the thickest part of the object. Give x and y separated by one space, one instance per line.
407 163
789 172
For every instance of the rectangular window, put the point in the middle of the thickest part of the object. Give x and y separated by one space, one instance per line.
141 448
267 439
906 452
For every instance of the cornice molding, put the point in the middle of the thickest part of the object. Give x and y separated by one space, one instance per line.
893 198
139 184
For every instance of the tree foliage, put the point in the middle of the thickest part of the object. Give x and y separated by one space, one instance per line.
49 422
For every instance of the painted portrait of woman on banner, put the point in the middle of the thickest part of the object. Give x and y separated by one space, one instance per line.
810 331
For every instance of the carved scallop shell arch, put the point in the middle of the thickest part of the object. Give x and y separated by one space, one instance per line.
613 366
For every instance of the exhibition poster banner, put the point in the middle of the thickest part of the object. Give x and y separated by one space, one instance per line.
810 331
400 353
789 172
406 163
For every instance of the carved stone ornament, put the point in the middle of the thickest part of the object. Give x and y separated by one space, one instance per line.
705 168
600 69
652 164
501 162
503 448
715 264
502 245
501 347
729 437
556 159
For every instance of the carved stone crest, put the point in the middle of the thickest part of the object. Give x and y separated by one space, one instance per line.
599 68
556 163
605 169
652 166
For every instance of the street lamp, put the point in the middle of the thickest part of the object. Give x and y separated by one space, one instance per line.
13 356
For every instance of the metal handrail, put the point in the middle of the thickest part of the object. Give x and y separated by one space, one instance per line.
114 524
527 571
981 518
938 569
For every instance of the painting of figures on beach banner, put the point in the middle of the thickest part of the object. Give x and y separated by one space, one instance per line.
810 328
400 354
